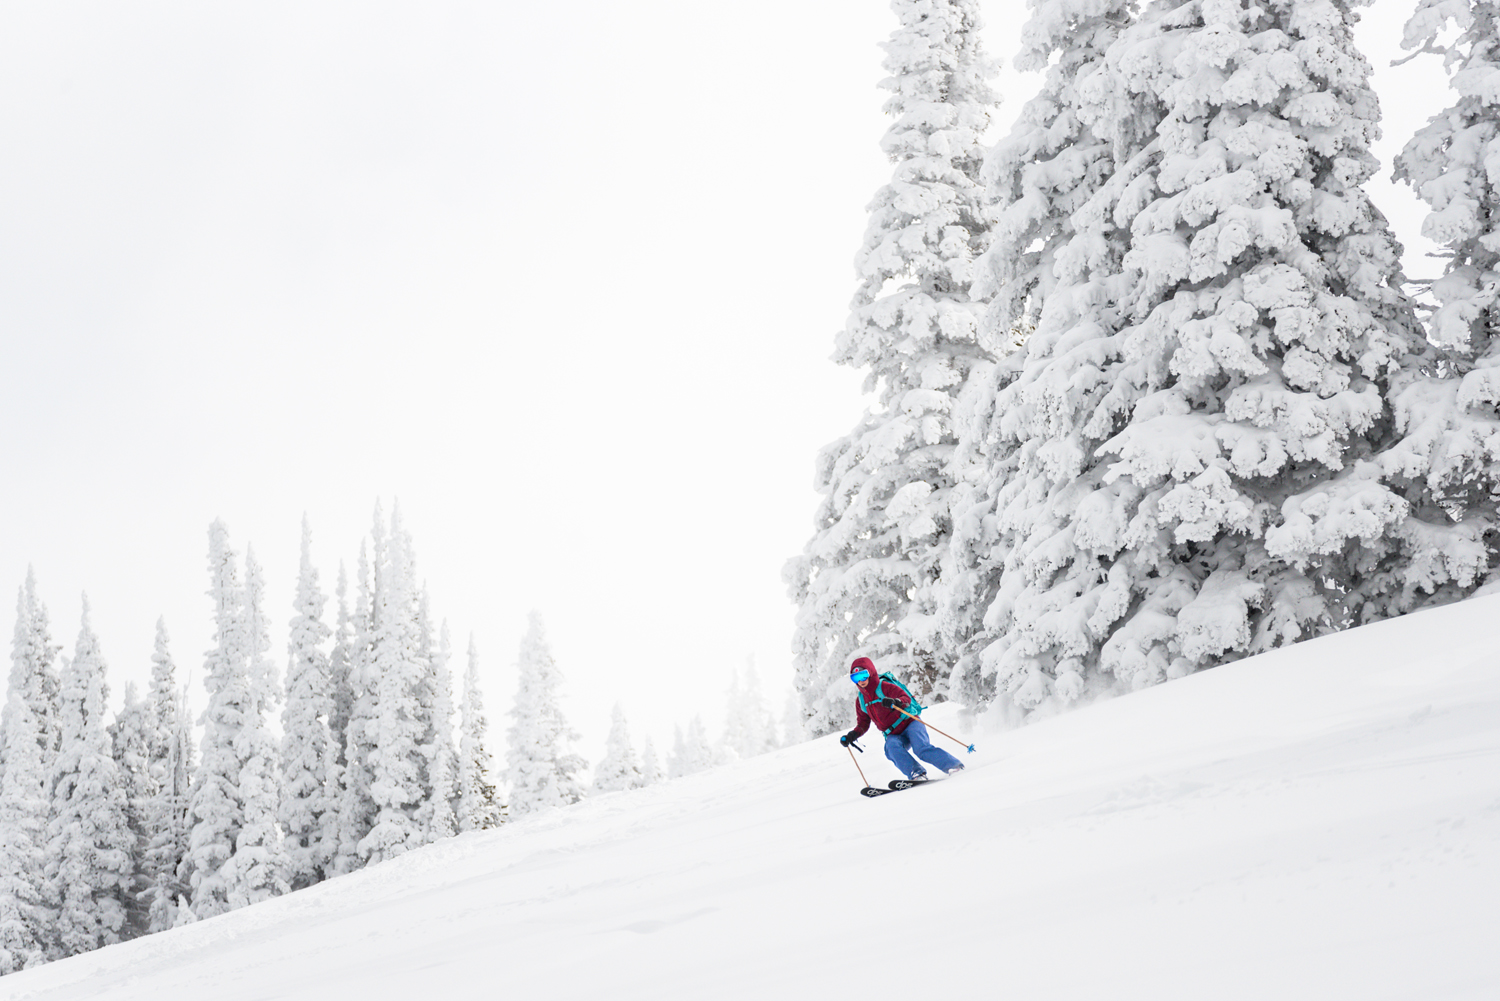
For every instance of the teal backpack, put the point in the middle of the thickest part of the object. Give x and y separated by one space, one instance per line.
915 709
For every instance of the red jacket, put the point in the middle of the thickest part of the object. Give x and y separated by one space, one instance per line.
885 719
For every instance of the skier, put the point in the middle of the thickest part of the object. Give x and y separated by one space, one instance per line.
878 701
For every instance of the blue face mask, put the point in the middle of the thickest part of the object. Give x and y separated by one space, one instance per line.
860 677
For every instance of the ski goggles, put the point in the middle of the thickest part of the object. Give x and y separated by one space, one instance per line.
860 677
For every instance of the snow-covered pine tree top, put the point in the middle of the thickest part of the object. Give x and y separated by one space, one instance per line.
363 624
338 666
930 222
619 769
1050 164
308 674
307 632
378 562
161 700
33 667
129 744
361 671
264 678
229 659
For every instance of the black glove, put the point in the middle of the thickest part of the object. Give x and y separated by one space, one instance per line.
888 702
848 738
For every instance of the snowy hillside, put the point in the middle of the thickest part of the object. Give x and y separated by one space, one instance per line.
1322 822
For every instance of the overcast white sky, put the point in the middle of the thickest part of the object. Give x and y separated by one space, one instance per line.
562 277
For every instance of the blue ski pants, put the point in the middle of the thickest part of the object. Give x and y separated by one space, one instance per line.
900 747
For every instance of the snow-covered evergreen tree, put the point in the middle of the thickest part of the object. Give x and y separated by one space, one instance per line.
234 852
1451 163
677 756
1188 458
699 747
130 739
619 769
257 869
168 864
162 701
29 723
309 777
399 723
749 727
793 721
439 809
215 810
33 672
478 809
1048 176
736 726
1451 458
541 768
169 763
651 771
867 580
340 659
691 752
356 808
26 922
89 842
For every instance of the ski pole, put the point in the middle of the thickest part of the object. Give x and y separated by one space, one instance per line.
950 736
856 765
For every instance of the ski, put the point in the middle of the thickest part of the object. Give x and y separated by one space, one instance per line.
896 785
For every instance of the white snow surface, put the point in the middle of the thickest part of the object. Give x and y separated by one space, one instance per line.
1319 822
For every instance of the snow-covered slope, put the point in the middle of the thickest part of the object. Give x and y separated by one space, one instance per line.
1321 823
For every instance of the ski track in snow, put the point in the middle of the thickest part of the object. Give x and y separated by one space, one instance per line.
1322 822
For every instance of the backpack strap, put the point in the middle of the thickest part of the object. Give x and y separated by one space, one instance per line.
899 719
887 676
884 677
